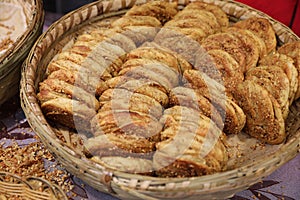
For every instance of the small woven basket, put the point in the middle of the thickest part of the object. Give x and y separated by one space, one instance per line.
11 61
131 186
31 188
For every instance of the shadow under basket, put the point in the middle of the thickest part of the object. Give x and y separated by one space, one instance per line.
13 58
132 186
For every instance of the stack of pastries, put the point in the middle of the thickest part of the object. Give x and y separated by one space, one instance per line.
157 92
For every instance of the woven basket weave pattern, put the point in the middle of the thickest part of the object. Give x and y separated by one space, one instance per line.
33 188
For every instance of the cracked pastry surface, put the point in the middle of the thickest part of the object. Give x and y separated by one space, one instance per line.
183 145
262 28
275 81
229 43
287 64
292 50
264 115
217 11
163 11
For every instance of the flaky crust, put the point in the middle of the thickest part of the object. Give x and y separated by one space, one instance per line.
228 43
287 64
146 87
125 100
182 96
292 50
250 46
264 115
262 28
217 11
69 112
161 10
136 21
183 139
275 81
222 67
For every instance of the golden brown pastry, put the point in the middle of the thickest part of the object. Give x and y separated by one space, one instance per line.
201 15
220 66
102 57
157 72
176 41
232 114
183 96
140 34
163 11
122 99
192 143
122 122
70 65
191 23
264 116
71 91
136 21
183 64
250 45
262 28
195 34
221 16
229 43
275 81
119 145
112 36
142 86
257 41
154 54
292 50
69 112
287 64
90 83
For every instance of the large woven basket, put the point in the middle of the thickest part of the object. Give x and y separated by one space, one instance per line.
130 186
11 61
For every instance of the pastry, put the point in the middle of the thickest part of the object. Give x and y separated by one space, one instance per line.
263 113
275 81
220 15
229 43
292 50
287 64
163 11
142 86
262 28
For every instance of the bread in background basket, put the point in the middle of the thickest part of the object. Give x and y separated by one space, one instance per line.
21 23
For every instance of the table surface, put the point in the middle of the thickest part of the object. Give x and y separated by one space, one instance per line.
284 183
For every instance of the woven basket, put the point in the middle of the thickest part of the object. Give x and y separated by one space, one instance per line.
11 61
130 186
33 188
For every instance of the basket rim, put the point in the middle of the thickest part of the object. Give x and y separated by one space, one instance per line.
285 153
37 18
